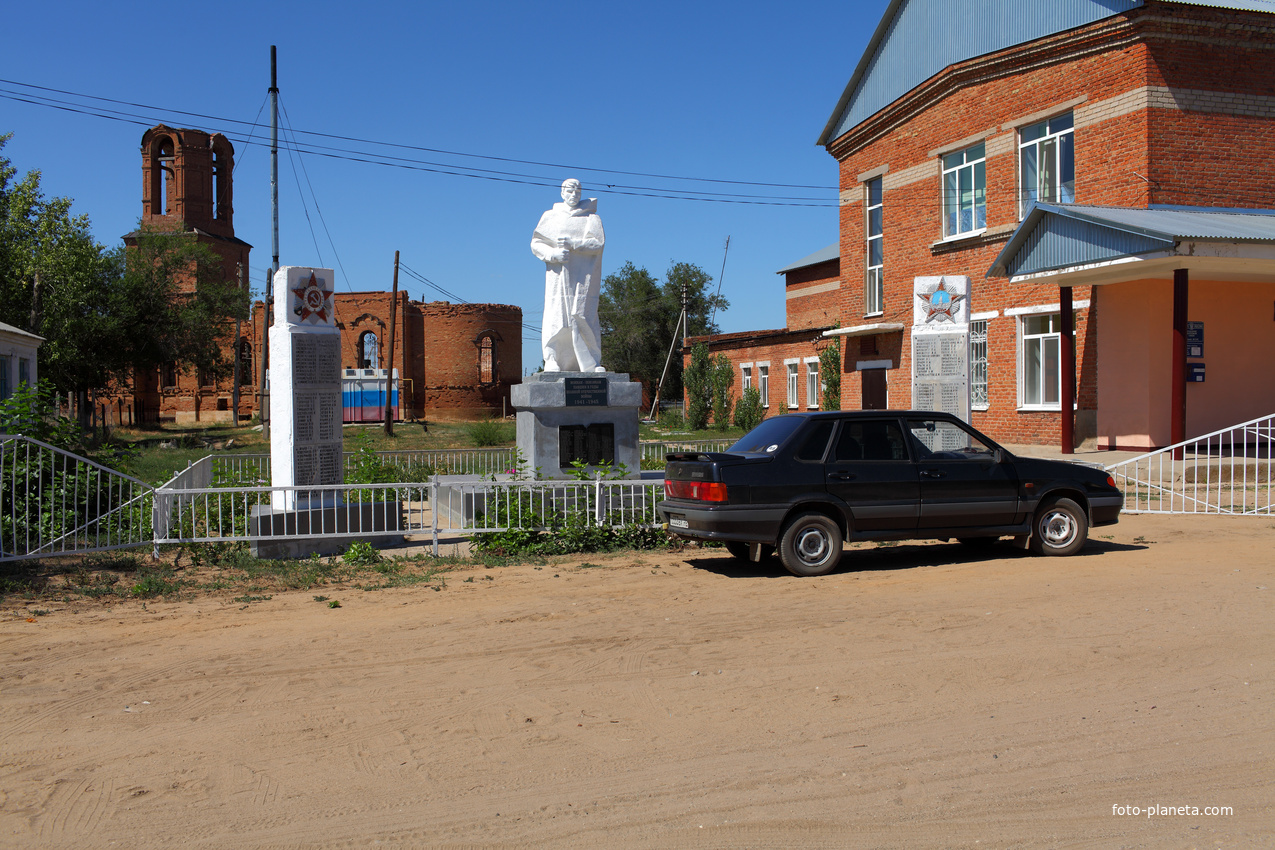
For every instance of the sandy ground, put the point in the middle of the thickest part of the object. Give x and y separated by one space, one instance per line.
923 696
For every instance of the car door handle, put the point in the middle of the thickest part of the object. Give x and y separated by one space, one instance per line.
932 473
841 476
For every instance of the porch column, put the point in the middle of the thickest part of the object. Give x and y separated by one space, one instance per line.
1067 354
1177 394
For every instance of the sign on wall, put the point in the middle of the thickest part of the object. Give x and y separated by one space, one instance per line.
941 345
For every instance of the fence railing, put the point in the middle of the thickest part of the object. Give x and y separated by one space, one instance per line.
229 514
485 506
656 449
1226 472
53 502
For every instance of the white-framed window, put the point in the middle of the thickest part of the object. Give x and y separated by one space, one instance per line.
1040 361
745 376
794 381
763 383
812 382
965 191
979 399
1046 163
873 284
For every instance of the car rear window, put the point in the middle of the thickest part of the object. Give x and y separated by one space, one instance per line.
769 435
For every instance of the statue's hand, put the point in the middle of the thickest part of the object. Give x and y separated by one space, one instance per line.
559 256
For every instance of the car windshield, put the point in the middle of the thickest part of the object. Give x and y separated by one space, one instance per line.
769 435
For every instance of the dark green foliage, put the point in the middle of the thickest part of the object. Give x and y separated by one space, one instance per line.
491 432
830 376
721 378
640 320
749 412
699 388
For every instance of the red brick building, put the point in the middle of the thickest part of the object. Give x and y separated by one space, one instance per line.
1099 160
453 360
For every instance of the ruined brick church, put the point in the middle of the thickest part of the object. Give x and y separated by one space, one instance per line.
454 361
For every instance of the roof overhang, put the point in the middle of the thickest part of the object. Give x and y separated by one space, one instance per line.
1073 245
866 330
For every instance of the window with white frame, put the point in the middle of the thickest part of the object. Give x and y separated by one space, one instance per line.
812 382
1046 163
873 285
794 380
745 376
978 364
965 191
1040 372
763 383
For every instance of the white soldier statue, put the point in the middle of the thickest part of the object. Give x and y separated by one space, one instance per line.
569 240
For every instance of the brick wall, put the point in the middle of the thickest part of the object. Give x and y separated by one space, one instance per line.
1171 104
771 347
811 295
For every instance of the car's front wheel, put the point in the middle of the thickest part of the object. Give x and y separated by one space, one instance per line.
810 545
1060 528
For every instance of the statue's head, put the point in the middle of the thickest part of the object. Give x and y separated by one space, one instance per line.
571 191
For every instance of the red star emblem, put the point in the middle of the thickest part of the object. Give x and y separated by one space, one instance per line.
314 300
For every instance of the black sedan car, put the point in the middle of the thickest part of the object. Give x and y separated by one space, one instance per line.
806 482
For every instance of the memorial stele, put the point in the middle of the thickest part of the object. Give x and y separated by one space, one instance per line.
941 345
574 410
305 379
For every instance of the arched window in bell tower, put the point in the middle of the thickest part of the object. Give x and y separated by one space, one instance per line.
163 178
223 166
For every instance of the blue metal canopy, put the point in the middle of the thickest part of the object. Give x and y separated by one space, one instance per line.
1061 236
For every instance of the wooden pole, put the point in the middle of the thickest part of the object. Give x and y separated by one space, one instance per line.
1067 356
389 358
263 399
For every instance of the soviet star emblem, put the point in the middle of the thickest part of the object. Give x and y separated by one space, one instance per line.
313 300
940 305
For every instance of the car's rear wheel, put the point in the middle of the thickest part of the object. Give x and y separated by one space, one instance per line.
741 550
810 545
1060 528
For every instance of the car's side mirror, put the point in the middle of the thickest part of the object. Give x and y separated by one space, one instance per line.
998 455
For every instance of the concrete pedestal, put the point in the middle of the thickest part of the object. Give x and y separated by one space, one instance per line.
592 416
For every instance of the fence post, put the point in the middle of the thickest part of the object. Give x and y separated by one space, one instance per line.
433 511
597 499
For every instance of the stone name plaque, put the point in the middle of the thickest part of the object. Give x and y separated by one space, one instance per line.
586 392
593 444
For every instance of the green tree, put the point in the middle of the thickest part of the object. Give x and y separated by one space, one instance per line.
722 379
640 315
749 412
103 314
699 388
830 375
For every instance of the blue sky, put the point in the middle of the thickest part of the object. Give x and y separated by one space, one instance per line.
710 91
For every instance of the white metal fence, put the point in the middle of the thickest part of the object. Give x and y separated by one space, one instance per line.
53 502
484 506
1226 472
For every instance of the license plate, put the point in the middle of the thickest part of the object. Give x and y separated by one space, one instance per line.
678 523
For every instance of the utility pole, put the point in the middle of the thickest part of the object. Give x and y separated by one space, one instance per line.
389 359
274 233
263 398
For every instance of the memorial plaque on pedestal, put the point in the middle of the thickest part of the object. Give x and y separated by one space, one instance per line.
586 392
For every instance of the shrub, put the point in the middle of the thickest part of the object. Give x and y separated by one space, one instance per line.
699 389
491 432
749 412
721 377
830 376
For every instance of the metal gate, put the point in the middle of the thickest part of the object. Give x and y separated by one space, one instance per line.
58 503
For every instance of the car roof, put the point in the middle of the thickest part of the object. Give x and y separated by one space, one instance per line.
871 414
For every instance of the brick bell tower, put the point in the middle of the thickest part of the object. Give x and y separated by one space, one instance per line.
188 189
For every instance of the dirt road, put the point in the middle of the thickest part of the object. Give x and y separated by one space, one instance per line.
923 696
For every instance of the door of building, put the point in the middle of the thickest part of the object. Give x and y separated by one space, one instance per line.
874 394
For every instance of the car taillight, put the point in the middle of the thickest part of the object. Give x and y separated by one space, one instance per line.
698 491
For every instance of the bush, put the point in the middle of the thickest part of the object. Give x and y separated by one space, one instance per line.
672 420
492 432
830 375
722 378
749 412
